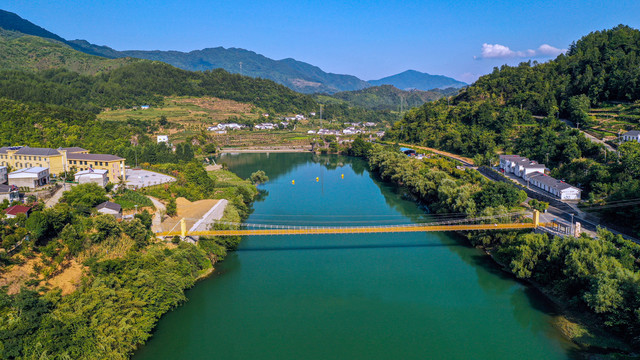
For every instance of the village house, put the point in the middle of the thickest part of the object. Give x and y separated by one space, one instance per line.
556 187
3 174
632 135
163 139
13 211
32 178
110 208
9 192
265 126
534 174
98 176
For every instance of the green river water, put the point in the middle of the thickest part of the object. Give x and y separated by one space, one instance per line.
373 296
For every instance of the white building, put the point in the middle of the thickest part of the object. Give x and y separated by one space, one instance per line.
3 174
556 187
632 135
370 124
311 132
100 177
9 192
265 126
163 139
227 126
110 208
33 177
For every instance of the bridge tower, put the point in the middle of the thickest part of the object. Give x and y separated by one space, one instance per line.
183 228
536 218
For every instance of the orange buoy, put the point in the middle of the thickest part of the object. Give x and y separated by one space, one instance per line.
342 176
293 182
317 179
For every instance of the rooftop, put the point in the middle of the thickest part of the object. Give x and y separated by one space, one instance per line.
17 209
31 170
94 171
93 157
632 133
73 149
551 182
37 151
109 205
7 188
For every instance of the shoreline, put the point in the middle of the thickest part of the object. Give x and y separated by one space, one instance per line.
267 149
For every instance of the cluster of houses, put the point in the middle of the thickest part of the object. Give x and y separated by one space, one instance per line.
223 128
33 167
534 174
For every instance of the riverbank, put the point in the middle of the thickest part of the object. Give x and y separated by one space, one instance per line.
266 149
571 272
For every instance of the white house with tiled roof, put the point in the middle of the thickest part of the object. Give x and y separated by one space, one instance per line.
633 135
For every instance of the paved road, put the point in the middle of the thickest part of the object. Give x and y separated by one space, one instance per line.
588 136
157 217
52 201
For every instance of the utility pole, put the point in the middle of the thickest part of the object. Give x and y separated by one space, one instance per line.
572 224
240 67
547 159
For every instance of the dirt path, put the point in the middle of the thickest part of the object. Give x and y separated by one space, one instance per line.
464 160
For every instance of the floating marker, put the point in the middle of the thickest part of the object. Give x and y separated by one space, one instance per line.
293 182
342 176
317 179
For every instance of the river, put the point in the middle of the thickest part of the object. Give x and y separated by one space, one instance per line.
373 296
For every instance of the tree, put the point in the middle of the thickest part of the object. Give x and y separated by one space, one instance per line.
259 177
85 195
172 208
578 109
630 158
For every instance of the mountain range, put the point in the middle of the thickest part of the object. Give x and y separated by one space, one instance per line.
296 75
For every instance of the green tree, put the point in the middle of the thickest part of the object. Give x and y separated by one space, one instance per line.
172 208
85 195
259 177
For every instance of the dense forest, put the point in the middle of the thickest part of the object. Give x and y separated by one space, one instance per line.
147 83
517 109
130 279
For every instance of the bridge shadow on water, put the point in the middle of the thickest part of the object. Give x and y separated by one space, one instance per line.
343 247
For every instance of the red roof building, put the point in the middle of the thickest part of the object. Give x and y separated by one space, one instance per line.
13 211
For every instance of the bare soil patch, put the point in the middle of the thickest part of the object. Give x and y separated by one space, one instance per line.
190 211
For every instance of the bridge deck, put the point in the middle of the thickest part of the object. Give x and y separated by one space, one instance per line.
353 230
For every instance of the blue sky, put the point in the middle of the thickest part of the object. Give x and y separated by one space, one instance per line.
369 39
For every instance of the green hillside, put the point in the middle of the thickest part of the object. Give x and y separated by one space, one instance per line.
494 115
23 52
388 97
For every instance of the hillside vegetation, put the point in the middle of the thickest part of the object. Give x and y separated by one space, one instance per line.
389 97
494 115
34 53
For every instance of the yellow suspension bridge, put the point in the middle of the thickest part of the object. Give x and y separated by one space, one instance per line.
453 225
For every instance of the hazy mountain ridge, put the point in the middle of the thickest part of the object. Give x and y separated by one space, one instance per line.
389 97
296 75
412 79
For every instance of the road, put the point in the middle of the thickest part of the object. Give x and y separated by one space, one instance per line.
561 211
157 216
588 136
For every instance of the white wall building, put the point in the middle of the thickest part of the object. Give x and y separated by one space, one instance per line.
556 187
3 174
33 177
163 138
632 135
100 177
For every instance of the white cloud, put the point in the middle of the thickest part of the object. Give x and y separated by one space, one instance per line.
548 50
497 51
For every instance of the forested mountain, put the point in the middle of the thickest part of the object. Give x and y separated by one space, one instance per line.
494 115
388 97
294 74
412 79
21 52
146 82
